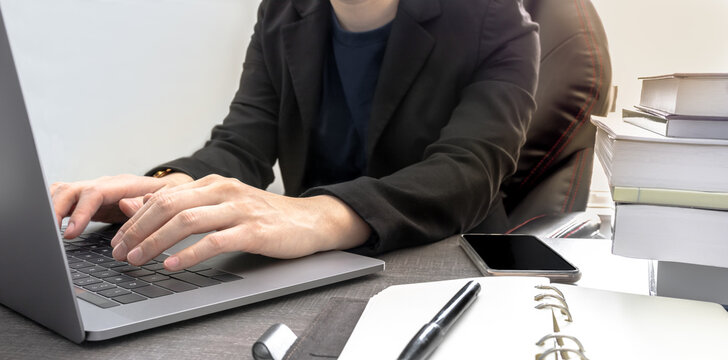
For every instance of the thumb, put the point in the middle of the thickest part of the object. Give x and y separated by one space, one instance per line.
130 206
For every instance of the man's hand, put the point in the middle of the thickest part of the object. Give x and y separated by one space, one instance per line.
111 199
243 218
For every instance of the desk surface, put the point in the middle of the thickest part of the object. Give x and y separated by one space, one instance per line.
230 334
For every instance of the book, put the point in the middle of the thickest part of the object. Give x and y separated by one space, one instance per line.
670 233
690 281
703 94
635 157
512 314
701 127
670 197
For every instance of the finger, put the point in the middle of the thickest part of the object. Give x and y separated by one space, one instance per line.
130 206
191 221
155 213
64 200
209 246
88 203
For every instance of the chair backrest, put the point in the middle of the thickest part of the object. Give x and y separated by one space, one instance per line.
554 170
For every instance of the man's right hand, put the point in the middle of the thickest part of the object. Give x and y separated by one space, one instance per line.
111 199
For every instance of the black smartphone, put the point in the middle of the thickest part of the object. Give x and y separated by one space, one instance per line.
517 255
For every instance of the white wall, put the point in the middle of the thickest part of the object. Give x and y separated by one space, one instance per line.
654 37
118 86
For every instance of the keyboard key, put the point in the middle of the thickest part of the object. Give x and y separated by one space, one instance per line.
195 279
99 286
100 260
105 274
114 292
154 267
113 264
129 298
152 291
154 278
80 265
139 273
86 281
175 285
69 247
87 256
126 268
167 272
161 257
94 299
226 277
132 284
92 269
105 251
78 275
219 275
73 260
96 247
119 279
82 243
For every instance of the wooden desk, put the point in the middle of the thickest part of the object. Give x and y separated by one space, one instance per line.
230 334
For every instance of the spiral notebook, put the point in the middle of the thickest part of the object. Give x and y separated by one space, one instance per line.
529 318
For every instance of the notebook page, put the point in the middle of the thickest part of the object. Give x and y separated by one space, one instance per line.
502 323
613 325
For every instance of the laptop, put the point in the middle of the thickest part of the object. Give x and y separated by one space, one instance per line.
77 290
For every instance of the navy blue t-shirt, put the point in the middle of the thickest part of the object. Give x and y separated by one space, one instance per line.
349 80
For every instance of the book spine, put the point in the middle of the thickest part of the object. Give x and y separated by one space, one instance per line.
671 197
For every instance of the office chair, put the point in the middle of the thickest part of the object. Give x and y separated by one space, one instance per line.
554 170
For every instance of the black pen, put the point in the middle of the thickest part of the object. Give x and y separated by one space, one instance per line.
431 335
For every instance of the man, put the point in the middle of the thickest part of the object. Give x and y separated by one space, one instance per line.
394 123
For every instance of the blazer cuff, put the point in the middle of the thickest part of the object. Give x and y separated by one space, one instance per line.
192 167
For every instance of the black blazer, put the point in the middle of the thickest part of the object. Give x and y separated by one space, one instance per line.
450 113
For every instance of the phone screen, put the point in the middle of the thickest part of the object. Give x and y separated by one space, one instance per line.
516 252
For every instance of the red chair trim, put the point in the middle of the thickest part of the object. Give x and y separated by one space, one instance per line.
588 105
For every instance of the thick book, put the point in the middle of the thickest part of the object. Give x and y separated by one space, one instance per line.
671 197
701 127
671 233
525 317
704 94
690 281
635 157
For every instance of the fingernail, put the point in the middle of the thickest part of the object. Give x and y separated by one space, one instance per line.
135 256
69 229
171 263
115 240
119 252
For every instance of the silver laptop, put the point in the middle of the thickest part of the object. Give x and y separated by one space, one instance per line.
77 290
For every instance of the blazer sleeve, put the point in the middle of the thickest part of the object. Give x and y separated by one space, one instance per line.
244 146
451 189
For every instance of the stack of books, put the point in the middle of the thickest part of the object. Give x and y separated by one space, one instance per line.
667 166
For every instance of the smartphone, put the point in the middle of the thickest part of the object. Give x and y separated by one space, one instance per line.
517 255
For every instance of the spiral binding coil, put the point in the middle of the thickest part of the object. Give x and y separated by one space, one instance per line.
559 348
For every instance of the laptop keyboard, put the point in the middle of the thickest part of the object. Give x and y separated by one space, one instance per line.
105 282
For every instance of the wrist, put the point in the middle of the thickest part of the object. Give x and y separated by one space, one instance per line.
344 228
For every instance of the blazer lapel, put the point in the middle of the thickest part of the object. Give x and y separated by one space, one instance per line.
408 48
305 45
